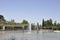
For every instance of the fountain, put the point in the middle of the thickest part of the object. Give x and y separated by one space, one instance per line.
29 28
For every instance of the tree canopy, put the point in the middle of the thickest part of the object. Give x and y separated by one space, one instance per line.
25 22
2 18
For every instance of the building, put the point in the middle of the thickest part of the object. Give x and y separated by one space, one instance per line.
13 27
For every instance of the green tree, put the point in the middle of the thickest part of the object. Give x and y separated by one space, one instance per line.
2 18
25 22
49 22
58 26
43 23
54 23
33 26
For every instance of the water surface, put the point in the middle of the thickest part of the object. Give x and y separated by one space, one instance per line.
17 35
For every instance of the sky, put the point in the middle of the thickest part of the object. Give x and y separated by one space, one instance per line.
31 10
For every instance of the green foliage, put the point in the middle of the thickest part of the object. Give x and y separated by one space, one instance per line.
47 24
54 23
33 26
2 22
2 18
43 23
10 23
25 22
58 26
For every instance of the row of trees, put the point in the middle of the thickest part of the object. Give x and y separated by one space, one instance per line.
46 24
49 24
3 21
12 22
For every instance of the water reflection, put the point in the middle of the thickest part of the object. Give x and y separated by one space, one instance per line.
17 35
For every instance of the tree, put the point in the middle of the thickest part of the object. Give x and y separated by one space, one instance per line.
25 22
33 26
54 23
43 23
49 22
2 18
58 26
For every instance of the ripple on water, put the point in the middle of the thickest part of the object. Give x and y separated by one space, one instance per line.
32 36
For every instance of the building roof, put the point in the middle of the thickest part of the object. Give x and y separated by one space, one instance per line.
17 25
